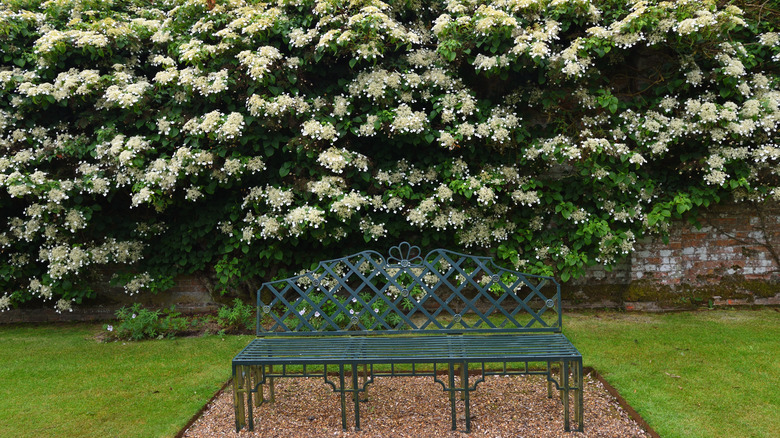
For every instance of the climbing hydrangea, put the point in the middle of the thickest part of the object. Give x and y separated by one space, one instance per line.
243 138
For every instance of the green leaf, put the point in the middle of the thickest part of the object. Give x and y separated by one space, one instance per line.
285 169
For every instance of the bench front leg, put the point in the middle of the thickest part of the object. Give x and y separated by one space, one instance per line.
356 395
452 396
466 402
578 401
343 392
239 389
565 394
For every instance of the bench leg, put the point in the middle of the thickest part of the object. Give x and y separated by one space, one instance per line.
365 382
256 373
364 379
239 389
578 401
356 387
565 395
464 370
465 382
549 380
452 396
271 395
343 391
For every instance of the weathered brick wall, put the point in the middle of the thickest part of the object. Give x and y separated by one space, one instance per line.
731 259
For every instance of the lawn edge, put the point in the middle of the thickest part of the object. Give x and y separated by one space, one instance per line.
203 409
622 401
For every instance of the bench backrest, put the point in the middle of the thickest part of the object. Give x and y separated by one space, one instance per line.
443 291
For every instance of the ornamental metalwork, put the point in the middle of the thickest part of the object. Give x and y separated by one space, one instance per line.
368 292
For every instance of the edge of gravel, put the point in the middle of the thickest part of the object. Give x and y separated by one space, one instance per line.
632 413
203 409
619 398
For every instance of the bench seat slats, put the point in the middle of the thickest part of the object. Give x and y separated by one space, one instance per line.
504 348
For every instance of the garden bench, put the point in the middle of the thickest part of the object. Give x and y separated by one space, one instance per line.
454 317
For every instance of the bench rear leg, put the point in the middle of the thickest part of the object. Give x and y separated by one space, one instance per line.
257 376
364 379
549 380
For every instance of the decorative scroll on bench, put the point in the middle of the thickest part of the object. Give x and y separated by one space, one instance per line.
457 318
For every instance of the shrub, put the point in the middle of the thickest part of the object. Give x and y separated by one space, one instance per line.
137 323
237 318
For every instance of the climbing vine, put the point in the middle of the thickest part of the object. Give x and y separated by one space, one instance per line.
240 139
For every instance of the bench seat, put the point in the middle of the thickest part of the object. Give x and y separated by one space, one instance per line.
407 349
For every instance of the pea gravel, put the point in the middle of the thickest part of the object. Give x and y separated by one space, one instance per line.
514 406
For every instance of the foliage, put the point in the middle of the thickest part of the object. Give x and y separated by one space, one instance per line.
137 323
237 318
247 138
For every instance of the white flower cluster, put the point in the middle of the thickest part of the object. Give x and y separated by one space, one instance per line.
276 106
5 303
138 283
126 95
336 160
258 63
408 121
204 84
52 40
304 216
319 130
772 39
225 127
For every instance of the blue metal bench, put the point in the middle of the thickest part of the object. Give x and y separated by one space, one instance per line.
457 318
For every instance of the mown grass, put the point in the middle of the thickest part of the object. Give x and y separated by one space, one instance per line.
691 374
695 374
58 381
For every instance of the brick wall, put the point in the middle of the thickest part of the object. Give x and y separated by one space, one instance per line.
732 258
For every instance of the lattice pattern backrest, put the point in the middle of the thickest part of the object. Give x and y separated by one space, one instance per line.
365 293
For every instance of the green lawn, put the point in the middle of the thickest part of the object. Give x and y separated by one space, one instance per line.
692 374
697 374
57 381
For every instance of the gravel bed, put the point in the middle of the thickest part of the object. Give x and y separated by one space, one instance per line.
514 406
